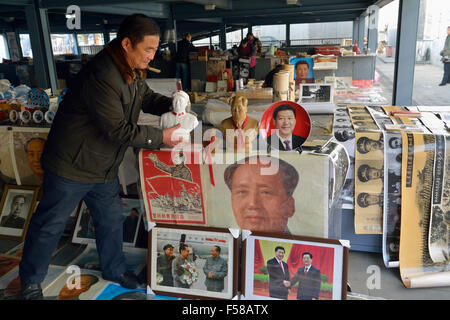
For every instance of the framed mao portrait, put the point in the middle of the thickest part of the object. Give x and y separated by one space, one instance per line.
16 207
285 267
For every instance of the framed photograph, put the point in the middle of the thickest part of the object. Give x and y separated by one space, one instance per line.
316 93
84 231
287 267
304 72
16 207
192 262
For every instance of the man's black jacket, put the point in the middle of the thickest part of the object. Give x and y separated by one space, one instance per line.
97 120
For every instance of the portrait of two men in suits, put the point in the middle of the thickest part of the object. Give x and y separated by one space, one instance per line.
307 277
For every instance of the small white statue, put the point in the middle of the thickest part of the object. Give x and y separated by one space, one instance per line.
179 115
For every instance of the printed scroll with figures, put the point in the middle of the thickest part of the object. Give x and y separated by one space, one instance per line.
369 163
345 135
392 187
171 186
417 268
439 234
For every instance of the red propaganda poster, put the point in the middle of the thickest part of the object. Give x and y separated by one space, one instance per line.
171 186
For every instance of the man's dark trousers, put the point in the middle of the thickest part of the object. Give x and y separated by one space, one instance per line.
446 78
60 197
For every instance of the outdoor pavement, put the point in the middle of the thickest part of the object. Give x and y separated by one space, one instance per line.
427 77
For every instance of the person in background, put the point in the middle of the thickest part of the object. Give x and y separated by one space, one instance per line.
248 50
268 80
183 71
255 42
445 53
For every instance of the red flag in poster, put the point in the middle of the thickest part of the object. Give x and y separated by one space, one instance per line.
171 186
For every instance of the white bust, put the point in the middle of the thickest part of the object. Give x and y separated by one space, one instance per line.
180 116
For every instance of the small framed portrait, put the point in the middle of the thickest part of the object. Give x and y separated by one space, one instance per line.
285 267
17 206
84 231
192 262
303 68
286 125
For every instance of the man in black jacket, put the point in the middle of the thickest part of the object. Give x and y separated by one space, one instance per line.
95 124
182 61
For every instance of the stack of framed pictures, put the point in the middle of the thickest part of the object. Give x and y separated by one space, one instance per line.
204 263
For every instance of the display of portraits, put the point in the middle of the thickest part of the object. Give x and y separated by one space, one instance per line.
293 268
303 69
286 125
193 262
17 206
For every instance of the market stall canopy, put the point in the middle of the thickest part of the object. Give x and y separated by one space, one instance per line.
199 17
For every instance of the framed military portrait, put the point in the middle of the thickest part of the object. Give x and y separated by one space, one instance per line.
16 207
284 267
192 262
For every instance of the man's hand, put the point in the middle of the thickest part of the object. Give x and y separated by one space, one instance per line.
287 284
168 134
210 274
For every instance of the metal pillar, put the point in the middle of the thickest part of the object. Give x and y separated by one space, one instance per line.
172 24
373 30
405 59
288 35
223 37
355 30
361 32
44 65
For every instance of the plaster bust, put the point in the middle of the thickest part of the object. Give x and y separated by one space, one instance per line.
245 128
179 115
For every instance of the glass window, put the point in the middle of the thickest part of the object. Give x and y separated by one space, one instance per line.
112 35
432 33
215 41
64 44
4 53
202 42
26 45
90 39
234 38
270 35
320 33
